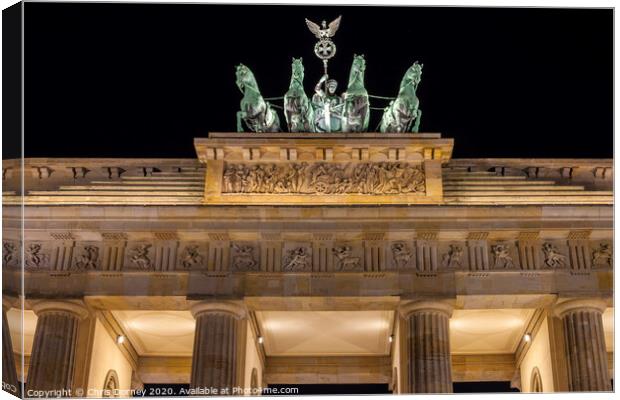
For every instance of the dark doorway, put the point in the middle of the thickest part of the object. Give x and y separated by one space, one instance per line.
483 387
378 388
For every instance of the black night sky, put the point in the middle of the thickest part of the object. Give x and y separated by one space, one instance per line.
142 80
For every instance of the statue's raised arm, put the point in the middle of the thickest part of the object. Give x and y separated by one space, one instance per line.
318 88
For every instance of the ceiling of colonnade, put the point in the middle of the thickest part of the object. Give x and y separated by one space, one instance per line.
287 333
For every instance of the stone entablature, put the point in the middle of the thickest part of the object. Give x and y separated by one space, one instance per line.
242 252
182 181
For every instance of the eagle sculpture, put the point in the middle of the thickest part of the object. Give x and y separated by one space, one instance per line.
326 31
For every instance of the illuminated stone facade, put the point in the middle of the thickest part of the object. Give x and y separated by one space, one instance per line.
398 261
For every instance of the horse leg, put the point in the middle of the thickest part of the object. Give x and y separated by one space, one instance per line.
274 124
416 126
240 116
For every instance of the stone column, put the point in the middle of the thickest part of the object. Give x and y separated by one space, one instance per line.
215 362
428 341
9 371
585 344
53 350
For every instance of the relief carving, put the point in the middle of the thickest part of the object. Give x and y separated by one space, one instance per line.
297 259
191 256
553 258
244 258
88 259
346 261
502 256
9 253
602 255
324 178
401 254
452 258
34 256
140 256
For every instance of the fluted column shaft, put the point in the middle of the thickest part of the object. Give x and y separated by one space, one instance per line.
428 335
214 363
585 344
53 350
9 371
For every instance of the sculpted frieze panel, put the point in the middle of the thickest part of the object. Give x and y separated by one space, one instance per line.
324 178
453 255
297 257
602 254
347 258
140 256
86 256
36 255
245 256
555 255
401 255
503 255
192 255
10 253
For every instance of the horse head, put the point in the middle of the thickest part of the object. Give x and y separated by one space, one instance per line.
245 78
297 71
356 76
413 76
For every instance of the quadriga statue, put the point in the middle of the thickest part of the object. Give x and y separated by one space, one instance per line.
327 111
257 114
403 114
297 107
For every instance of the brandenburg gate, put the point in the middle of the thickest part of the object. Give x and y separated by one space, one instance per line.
322 255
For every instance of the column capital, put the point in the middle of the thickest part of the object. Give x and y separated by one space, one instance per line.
444 306
75 307
236 308
562 307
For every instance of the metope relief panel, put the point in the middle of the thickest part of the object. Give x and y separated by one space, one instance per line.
400 256
602 254
452 256
140 256
383 178
87 256
37 255
244 257
347 257
191 256
554 254
297 257
503 255
10 254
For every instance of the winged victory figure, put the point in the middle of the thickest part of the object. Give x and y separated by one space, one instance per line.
325 32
